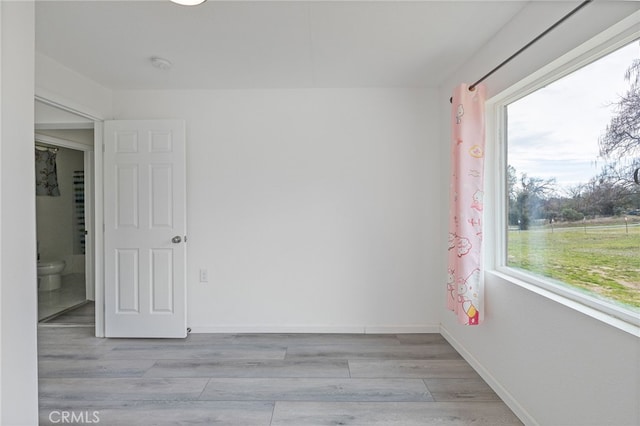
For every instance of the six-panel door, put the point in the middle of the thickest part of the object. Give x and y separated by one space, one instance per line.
145 210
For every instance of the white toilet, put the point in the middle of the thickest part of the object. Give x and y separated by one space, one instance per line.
49 277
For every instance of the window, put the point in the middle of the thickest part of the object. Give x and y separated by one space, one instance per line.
573 208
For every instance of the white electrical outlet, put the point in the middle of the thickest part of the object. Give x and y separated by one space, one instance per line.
204 276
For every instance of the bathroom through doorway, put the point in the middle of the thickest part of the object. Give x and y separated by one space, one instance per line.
63 155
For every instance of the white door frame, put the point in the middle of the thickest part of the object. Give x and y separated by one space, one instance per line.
97 214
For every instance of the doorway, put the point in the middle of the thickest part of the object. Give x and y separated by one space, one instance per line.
65 216
60 230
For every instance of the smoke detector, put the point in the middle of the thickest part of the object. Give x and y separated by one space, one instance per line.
161 63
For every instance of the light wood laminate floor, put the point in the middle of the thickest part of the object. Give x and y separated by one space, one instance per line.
261 380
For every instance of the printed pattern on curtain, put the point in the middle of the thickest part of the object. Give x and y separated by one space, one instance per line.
46 172
465 283
78 200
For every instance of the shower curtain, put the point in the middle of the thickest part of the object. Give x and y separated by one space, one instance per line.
46 173
465 284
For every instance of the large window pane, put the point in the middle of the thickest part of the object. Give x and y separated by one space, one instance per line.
574 209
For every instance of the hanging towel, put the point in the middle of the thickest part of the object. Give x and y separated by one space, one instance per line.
46 173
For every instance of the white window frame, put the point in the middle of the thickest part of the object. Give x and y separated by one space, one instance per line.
496 165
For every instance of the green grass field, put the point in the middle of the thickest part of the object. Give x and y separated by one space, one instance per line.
604 260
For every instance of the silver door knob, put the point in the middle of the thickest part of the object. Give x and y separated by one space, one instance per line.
177 239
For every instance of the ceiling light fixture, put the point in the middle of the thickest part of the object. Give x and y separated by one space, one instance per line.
188 2
161 63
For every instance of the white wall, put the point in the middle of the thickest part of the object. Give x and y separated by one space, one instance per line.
61 85
19 367
1 225
81 136
311 209
50 117
551 364
55 216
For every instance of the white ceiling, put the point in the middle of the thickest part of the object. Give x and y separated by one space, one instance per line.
267 44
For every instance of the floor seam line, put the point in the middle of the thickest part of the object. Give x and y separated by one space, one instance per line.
273 410
203 389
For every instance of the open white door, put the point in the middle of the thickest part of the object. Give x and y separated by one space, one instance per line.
145 228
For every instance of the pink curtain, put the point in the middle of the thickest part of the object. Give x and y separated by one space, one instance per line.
465 286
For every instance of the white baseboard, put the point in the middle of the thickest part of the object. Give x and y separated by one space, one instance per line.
402 329
325 329
503 393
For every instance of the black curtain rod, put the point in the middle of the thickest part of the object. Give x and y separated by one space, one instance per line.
526 46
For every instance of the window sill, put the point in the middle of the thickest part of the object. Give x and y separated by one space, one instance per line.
619 318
